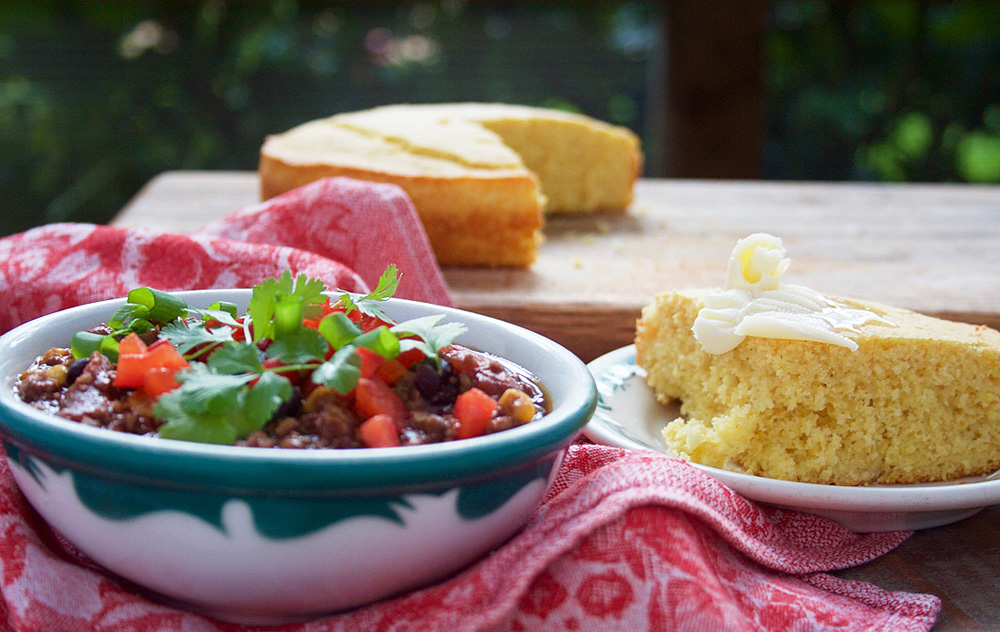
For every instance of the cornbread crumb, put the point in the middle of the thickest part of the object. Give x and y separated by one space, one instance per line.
916 402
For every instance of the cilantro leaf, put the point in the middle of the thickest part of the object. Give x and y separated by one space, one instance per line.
431 337
341 372
368 304
222 315
205 408
303 346
259 403
201 428
312 293
202 388
188 336
235 359
387 284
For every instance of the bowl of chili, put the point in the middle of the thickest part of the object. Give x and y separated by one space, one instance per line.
196 498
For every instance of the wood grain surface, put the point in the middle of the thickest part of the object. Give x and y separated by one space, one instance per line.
931 248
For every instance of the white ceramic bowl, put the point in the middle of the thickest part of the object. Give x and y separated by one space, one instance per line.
268 535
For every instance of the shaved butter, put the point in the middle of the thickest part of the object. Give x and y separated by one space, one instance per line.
755 303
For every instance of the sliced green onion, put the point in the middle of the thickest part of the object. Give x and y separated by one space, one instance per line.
85 343
131 316
287 314
381 341
225 306
163 307
338 329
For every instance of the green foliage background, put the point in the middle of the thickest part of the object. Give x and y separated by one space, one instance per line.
98 97
891 90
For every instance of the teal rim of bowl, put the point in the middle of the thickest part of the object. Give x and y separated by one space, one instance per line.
164 462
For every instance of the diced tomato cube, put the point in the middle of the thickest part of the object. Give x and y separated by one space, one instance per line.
391 370
410 357
370 362
138 361
372 397
163 353
159 380
130 344
379 431
131 372
473 410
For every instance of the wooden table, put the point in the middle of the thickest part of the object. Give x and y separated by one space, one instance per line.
931 248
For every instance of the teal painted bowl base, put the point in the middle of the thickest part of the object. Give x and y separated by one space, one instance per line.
231 557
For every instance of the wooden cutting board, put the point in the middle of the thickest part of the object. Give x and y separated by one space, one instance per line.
930 248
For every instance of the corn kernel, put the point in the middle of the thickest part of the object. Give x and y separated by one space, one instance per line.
57 373
517 404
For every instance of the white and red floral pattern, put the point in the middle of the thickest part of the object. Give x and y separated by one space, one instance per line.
61 265
364 224
624 540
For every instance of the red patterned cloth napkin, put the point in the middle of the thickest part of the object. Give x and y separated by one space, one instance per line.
363 224
623 541
342 231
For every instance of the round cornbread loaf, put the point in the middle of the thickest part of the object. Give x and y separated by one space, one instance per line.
481 176
917 401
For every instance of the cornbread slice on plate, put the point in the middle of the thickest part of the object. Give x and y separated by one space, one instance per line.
917 400
481 176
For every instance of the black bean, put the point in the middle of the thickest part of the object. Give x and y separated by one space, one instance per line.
426 379
75 369
290 408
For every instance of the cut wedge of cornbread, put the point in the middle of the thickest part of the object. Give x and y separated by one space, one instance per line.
917 401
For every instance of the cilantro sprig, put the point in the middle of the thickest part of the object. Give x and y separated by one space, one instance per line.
370 304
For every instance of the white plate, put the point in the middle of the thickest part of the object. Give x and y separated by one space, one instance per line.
629 416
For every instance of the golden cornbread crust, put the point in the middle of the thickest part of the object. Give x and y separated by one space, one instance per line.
487 222
481 176
918 402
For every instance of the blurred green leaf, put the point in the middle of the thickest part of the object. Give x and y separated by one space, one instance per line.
884 160
978 157
913 135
